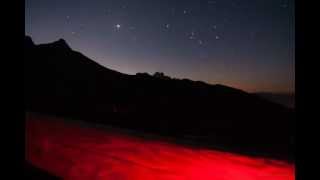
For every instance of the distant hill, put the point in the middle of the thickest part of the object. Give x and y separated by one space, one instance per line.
64 82
286 99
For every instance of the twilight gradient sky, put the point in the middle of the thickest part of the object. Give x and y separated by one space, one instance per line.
247 44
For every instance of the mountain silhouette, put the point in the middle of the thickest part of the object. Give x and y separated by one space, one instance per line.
286 99
63 82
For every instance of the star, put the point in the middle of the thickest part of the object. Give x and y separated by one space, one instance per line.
215 26
200 42
167 26
185 11
68 18
192 35
217 37
118 26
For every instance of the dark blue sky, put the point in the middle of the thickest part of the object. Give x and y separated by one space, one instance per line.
247 44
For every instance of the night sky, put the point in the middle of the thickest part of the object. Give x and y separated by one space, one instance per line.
247 44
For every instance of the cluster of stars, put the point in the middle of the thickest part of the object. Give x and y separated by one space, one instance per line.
167 26
192 36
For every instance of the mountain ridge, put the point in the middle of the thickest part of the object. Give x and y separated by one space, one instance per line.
64 82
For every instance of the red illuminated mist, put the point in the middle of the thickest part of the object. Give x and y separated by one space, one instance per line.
72 151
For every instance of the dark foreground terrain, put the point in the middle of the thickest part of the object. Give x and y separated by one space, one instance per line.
75 150
35 173
286 99
63 82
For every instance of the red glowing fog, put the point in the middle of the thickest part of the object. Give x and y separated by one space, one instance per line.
71 151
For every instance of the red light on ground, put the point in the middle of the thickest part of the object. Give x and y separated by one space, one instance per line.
73 152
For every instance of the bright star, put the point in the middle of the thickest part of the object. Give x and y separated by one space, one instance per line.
118 26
